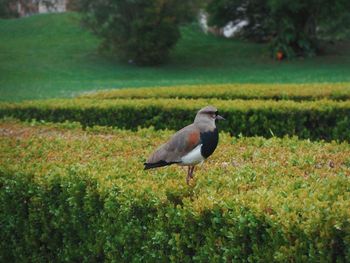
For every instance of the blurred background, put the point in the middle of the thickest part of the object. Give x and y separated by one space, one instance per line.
61 48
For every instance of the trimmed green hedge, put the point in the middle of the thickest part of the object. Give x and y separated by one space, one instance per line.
314 120
67 219
296 92
68 195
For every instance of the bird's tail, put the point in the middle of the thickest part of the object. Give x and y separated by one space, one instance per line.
157 164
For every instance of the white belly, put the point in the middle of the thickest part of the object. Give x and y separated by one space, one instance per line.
193 157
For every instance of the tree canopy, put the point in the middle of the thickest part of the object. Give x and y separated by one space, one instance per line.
292 27
140 31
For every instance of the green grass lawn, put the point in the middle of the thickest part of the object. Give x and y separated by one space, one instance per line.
52 56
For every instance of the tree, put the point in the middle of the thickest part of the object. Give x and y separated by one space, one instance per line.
142 31
292 27
16 8
8 9
223 11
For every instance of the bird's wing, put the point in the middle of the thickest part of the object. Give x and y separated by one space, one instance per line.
182 142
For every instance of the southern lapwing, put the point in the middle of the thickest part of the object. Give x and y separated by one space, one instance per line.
190 145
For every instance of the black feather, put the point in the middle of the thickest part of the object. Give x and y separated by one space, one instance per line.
157 164
209 140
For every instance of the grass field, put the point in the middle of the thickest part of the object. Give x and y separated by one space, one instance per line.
52 56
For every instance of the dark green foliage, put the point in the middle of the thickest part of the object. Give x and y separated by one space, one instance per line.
140 31
336 28
8 9
311 120
68 219
292 27
51 222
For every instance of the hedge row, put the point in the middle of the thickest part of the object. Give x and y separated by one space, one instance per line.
69 195
297 92
313 120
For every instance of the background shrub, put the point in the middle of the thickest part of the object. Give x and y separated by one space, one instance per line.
140 31
314 120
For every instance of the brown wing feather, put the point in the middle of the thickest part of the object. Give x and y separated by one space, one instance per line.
179 145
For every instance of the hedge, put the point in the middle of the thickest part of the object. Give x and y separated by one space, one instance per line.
297 92
314 120
69 195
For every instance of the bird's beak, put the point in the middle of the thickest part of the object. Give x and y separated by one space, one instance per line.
218 117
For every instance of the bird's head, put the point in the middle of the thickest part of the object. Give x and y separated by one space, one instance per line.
208 115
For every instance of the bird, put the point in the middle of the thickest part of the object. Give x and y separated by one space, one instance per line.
191 145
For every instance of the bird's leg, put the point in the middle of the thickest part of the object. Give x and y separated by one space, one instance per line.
189 174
